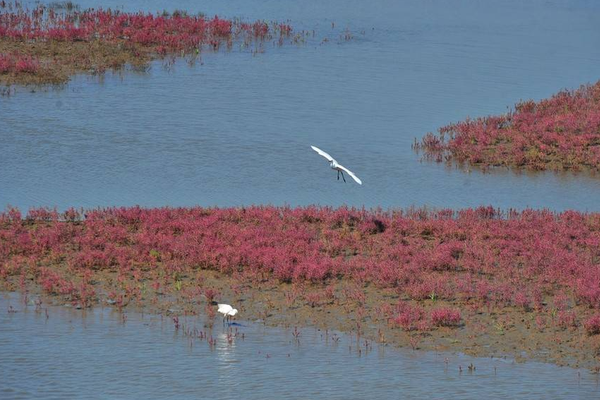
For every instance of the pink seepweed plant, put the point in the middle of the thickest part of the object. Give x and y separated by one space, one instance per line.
444 264
558 133
48 43
167 32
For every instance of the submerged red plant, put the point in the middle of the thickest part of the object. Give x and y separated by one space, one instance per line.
562 132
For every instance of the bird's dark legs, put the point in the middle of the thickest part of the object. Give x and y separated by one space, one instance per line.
338 175
343 177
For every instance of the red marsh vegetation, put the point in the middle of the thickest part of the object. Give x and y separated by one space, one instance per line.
440 267
47 44
559 133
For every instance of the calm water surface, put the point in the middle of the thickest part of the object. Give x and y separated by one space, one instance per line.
98 356
237 129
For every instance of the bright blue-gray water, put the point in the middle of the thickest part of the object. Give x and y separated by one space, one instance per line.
238 128
69 354
235 129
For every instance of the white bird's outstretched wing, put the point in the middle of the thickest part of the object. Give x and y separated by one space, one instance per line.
321 152
224 308
351 174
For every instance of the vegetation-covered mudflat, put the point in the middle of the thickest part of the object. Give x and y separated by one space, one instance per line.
559 133
466 279
48 44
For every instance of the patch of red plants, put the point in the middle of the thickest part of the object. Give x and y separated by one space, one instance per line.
592 325
56 37
538 261
17 63
444 316
562 132
171 33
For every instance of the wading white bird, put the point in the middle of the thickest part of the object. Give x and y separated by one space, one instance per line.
227 311
334 165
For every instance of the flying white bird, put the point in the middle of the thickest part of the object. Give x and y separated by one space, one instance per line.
334 165
227 310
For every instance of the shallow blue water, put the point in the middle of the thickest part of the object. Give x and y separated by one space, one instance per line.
237 129
101 355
